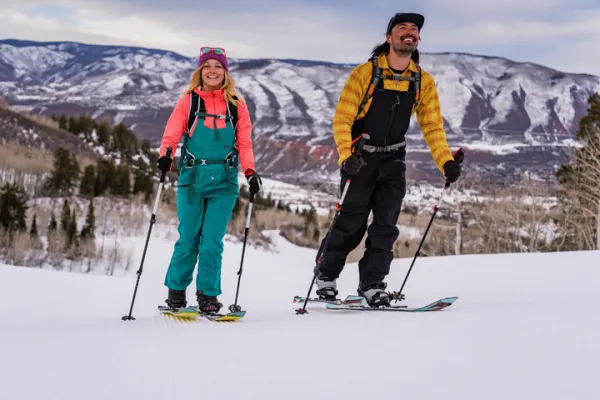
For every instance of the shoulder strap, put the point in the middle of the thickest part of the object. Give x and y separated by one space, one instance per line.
375 76
233 110
195 104
417 85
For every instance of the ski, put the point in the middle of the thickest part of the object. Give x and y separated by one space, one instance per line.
435 306
350 301
192 314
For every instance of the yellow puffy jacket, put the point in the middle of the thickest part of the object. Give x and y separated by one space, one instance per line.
428 111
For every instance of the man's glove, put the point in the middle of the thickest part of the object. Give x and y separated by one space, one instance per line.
164 163
451 171
353 164
254 182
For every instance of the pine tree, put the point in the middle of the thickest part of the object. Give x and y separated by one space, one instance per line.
105 170
33 233
88 181
62 122
89 229
72 229
65 218
120 184
73 126
65 174
146 147
103 134
579 193
13 208
142 180
53 224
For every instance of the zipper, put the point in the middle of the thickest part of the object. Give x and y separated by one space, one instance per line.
394 108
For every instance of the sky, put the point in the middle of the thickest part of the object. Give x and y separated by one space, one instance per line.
561 34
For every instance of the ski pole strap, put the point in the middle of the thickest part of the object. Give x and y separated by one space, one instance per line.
383 149
356 147
459 155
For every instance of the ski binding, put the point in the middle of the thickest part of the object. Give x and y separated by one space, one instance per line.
435 306
193 314
350 301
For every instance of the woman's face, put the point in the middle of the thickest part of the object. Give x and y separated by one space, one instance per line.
213 74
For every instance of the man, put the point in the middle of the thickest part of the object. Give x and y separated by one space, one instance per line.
378 181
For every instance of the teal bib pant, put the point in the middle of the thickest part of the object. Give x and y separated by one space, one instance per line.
206 194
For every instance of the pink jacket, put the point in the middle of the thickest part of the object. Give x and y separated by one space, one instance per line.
215 104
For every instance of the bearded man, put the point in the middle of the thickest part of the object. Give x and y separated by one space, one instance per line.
378 99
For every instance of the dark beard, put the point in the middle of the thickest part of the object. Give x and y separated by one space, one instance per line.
404 50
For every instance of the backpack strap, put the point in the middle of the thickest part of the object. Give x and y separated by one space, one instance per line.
194 108
377 79
197 106
375 76
233 111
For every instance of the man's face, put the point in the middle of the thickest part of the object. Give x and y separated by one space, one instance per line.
404 38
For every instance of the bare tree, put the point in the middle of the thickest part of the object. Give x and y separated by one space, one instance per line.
580 194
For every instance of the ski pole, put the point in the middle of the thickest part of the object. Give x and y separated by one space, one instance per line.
235 307
338 208
459 156
152 221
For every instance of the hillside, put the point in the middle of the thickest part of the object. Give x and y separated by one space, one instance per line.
42 134
520 117
507 336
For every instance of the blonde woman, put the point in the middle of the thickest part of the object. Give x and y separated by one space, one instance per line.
216 128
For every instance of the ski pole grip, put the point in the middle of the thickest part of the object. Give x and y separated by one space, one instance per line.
251 197
361 142
164 173
459 155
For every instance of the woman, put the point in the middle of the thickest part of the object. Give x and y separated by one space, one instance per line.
214 122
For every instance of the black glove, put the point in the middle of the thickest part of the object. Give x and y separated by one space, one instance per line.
451 171
353 164
254 182
164 163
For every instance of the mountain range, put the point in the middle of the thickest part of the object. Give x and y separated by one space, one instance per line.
515 118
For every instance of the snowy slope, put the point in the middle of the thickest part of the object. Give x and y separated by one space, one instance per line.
524 327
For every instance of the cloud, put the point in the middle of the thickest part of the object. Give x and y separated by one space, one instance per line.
550 32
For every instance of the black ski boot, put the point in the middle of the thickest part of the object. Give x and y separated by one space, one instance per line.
176 299
208 304
326 288
375 294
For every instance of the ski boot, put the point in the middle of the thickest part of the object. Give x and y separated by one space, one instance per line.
176 299
326 288
208 304
375 294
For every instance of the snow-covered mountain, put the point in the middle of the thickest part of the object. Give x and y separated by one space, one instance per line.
518 116
507 336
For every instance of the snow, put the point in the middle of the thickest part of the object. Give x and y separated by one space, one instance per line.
295 196
524 326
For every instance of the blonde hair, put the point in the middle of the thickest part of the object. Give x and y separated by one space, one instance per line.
228 86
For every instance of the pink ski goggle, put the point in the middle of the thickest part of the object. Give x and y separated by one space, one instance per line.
216 50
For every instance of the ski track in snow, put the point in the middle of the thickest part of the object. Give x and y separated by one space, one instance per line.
524 327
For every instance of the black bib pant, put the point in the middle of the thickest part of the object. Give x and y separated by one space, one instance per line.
380 187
